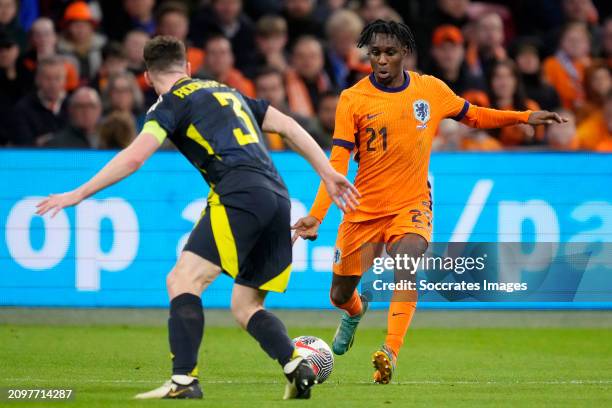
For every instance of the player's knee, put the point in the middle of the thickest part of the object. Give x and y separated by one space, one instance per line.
339 296
412 245
242 311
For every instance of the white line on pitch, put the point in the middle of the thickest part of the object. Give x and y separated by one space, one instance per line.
414 382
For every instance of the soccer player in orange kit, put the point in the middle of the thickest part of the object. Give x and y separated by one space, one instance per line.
389 120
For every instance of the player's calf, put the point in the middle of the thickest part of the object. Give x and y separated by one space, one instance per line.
354 310
271 334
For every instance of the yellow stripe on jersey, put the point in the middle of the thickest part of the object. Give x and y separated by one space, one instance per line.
152 127
278 283
197 137
222 232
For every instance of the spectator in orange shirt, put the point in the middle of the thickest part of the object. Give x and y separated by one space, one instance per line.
219 65
43 40
488 47
345 61
595 133
506 92
565 70
597 83
173 19
306 78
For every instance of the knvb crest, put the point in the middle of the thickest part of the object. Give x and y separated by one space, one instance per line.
421 112
337 256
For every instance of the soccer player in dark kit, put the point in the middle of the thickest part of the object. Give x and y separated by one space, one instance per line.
245 230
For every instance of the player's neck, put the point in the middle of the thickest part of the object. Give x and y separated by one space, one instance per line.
395 82
165 82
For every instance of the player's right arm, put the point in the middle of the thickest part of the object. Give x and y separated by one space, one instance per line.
343 143
121 166
338 188
160 121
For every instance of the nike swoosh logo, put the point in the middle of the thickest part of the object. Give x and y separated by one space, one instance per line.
373 115
397 314
173 394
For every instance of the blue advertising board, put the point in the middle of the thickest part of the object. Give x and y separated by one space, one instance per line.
116 248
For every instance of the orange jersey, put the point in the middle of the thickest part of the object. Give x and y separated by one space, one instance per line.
391 131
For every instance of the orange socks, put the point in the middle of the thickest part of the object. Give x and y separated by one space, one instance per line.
353 306
398 320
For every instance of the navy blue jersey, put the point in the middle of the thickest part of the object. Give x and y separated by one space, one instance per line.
219 131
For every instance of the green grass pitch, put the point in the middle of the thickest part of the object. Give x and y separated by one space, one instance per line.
106 364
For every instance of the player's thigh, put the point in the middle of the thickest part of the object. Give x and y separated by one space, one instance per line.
357 244
226 231
191 274
416 220
268 264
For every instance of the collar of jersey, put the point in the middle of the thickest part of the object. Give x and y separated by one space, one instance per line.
387 89
183 79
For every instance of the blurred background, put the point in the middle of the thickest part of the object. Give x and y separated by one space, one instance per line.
71 72
72 91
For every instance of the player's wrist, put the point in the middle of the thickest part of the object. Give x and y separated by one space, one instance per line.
317 217
80 194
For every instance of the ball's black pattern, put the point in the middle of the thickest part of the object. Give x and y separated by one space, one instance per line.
318 353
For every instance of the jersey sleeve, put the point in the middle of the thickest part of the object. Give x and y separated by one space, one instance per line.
346 124
160 119
339 160
259 107
453 106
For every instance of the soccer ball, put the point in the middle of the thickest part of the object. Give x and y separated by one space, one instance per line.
318 353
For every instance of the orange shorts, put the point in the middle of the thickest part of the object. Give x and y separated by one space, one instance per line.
358 243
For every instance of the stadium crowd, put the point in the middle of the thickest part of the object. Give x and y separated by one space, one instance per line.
71 72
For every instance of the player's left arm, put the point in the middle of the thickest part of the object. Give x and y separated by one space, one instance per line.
474 116
487 118
121 166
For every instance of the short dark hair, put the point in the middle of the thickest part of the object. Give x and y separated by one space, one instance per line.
164 52
400 31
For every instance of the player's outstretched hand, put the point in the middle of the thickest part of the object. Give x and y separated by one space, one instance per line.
307 228
57 202
341 191
545 118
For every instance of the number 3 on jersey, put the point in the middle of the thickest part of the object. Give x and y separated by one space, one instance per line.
228 98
